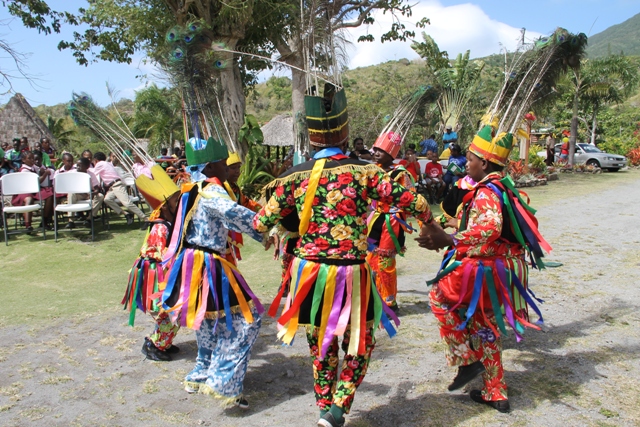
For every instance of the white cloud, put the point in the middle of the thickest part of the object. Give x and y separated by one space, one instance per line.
454 28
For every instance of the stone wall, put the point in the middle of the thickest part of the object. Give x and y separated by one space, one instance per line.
18 119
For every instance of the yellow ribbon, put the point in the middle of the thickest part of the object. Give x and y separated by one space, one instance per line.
307 208
356 311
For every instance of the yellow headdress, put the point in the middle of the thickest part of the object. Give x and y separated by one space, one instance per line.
233 158
495 150
158 189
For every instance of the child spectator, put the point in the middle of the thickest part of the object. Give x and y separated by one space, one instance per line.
410 162
433 175
83 165
46 188
455 168
47 148
14 156
46 193
88 154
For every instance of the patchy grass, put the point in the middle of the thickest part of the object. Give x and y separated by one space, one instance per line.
56 380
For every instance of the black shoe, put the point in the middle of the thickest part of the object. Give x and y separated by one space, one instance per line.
129 219
70 226
328 420
465 375
144 226
172 350
152 352
499 405
29 230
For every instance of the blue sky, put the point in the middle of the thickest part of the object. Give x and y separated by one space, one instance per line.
480 25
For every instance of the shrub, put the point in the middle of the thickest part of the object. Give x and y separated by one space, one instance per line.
619 145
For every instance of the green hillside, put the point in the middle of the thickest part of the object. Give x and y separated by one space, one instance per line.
624 37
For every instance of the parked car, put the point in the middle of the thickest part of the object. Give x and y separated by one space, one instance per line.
587 153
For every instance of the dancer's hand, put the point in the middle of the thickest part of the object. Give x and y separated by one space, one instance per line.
433 237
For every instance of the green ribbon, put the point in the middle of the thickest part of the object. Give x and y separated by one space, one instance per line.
448 269
394 238
508 183
321 281
497 308
514 221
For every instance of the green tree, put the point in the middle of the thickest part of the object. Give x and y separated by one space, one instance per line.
157 116
308 38
607 81
457 81
114 30
61 131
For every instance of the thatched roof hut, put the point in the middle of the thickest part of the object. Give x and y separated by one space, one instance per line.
18 119
278 132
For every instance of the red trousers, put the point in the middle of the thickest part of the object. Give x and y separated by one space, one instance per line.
476 341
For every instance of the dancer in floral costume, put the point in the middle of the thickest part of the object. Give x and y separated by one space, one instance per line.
484 271
146 275
204 290
387 224
331 290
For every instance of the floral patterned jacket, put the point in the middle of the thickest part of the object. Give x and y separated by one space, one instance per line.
481 235
155 245
338 228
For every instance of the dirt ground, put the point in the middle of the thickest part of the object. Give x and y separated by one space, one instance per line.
582 370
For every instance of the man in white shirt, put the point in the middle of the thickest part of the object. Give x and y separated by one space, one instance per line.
115 189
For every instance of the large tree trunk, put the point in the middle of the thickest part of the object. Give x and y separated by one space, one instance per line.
574 129
232 99
299 88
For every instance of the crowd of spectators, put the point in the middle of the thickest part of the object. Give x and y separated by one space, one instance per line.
108 180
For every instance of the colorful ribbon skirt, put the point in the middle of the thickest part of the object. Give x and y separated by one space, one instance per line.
332 298
201 285
497 284
144 279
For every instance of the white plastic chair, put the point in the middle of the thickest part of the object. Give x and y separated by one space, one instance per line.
73 183
20 183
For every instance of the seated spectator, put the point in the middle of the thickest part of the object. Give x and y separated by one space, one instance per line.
410 162
4 163
428 144
456 165
67 166
360 151
46 188
434 174
449 137
140 167
46 193
164 154
83 165
115 189
88 155
14 156
24 145
46 161
47 148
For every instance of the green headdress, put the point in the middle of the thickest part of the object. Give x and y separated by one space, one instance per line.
199 151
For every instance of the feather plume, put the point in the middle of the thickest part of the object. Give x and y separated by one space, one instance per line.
114 133
531 76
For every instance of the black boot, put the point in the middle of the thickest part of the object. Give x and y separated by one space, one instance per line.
465 375
499 405
152 352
